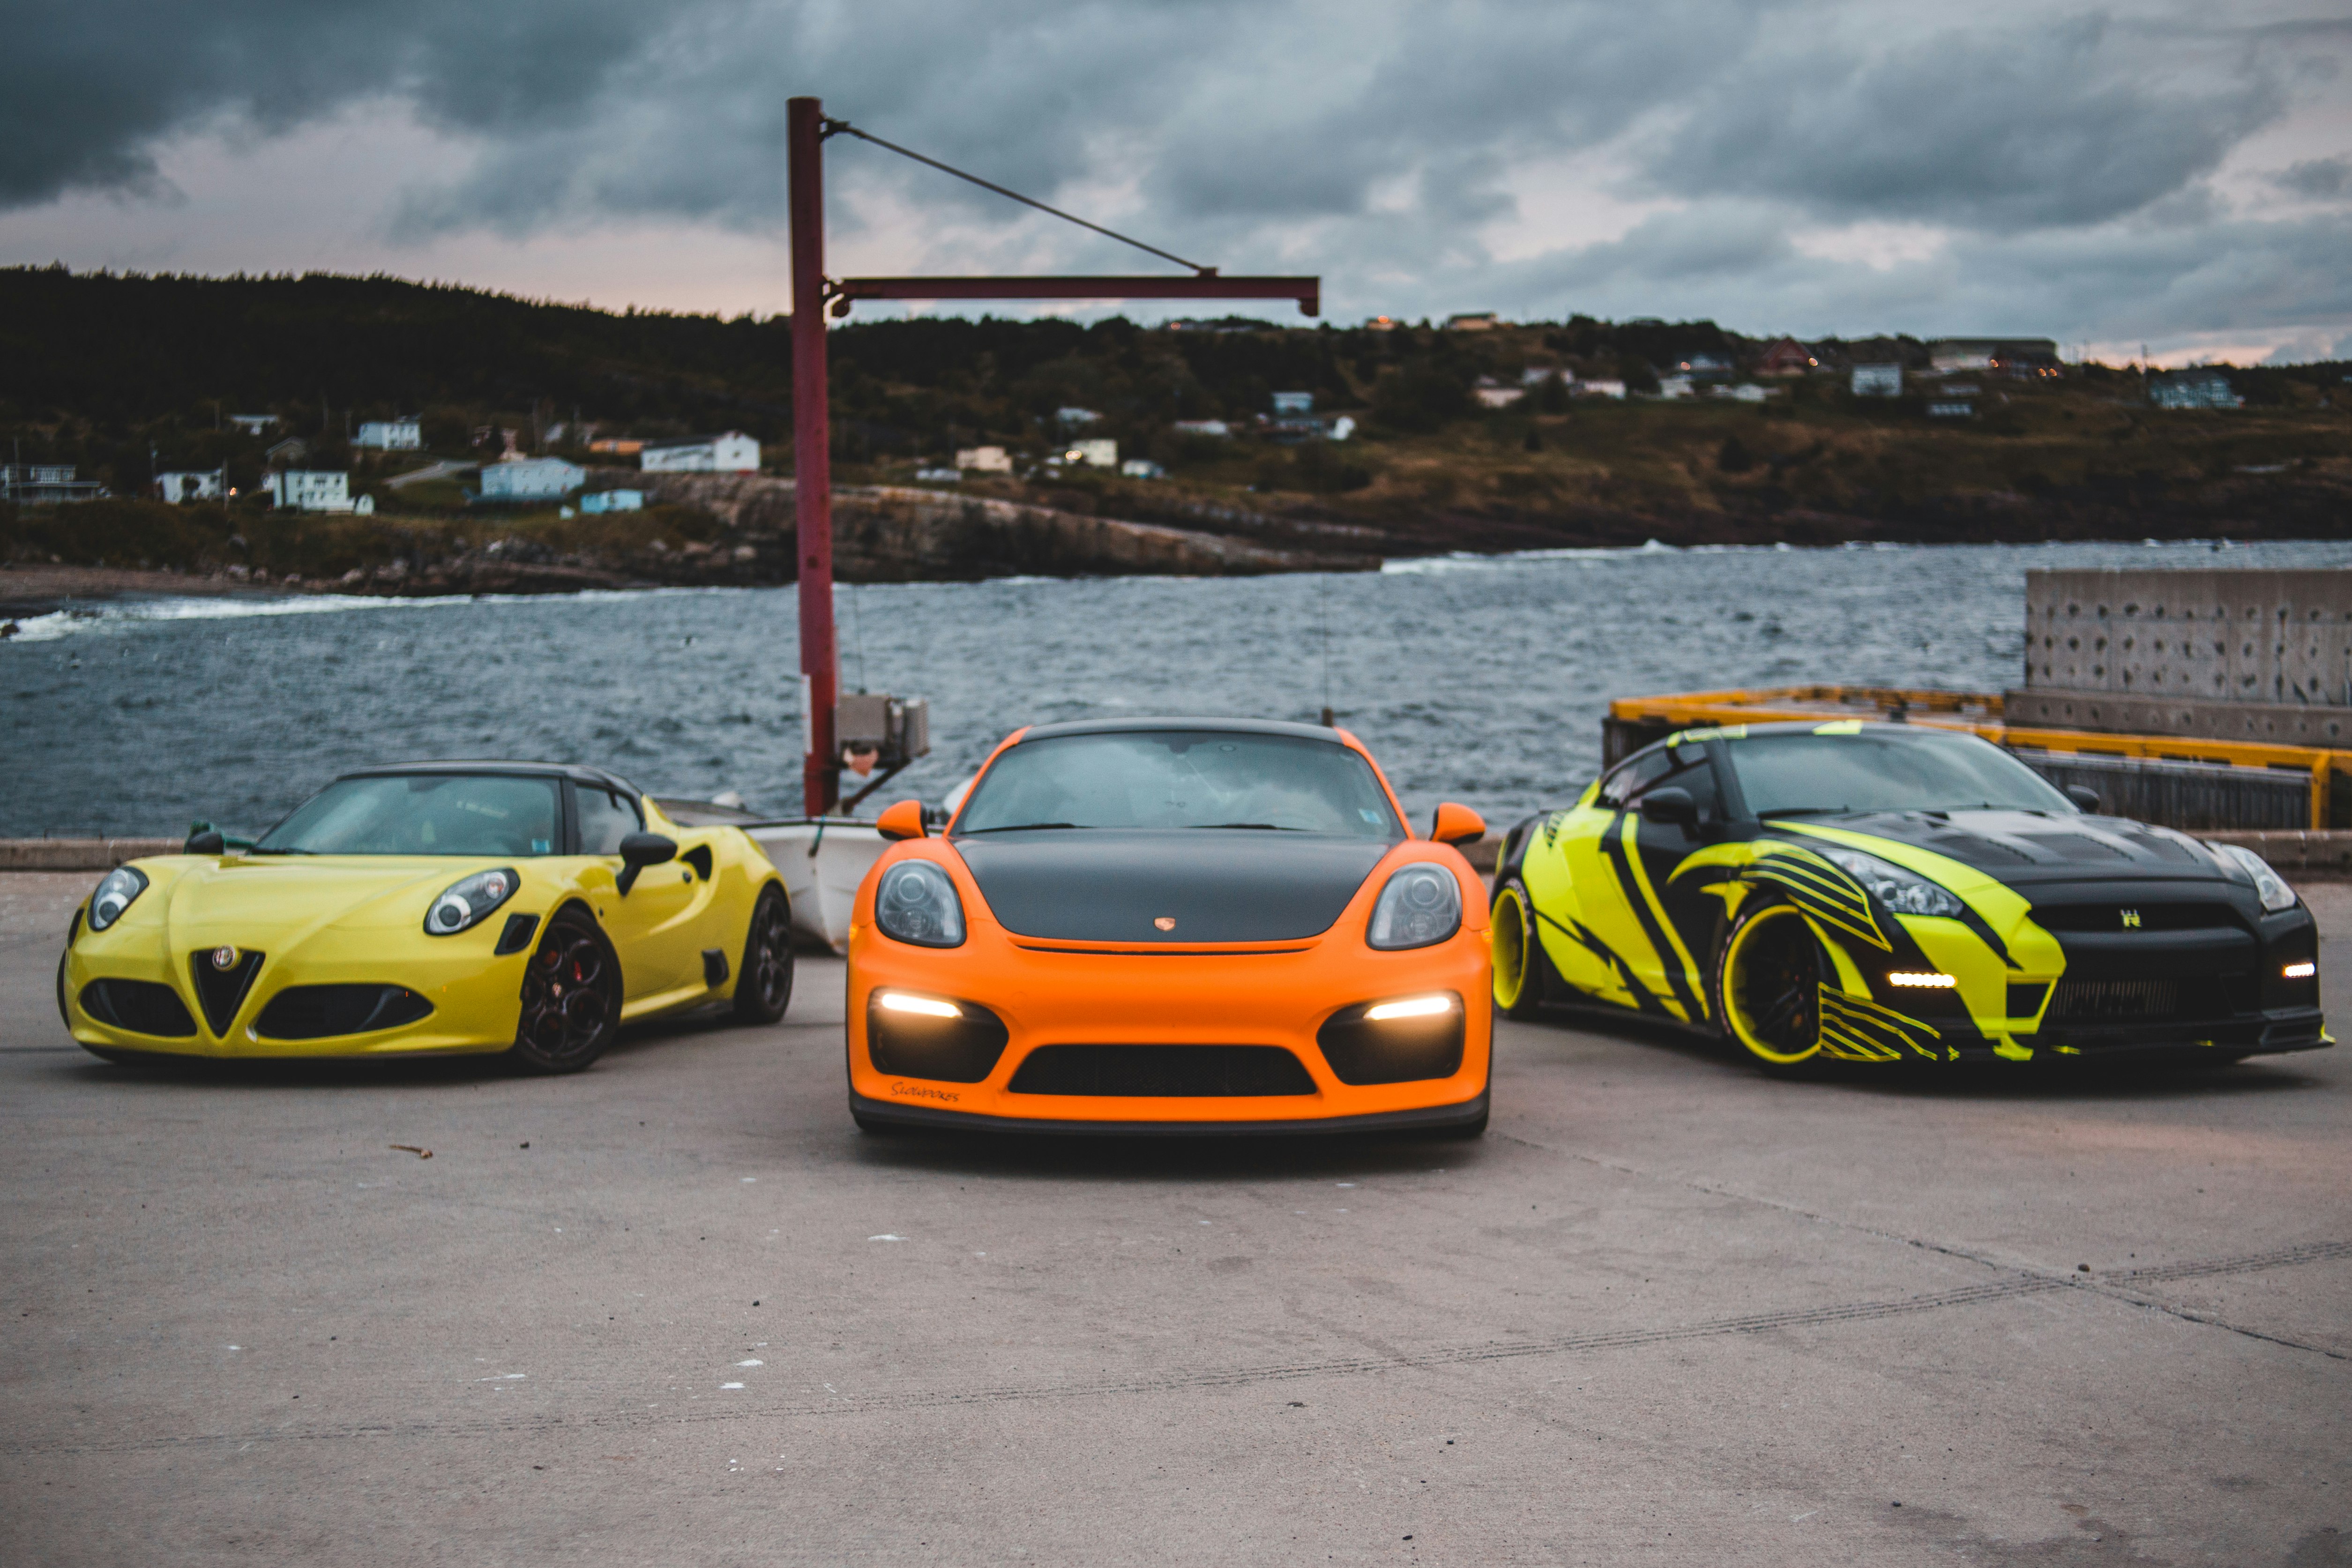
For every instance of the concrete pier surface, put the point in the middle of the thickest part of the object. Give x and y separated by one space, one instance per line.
679 1310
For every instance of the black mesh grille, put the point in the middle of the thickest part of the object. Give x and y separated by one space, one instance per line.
1159 1072
141 1007
2188 1000
2110 916
318 1012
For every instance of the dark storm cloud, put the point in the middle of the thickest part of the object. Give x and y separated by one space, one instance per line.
2316 177
2054 125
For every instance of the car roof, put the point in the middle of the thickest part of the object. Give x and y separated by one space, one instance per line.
577 773
1822 726
1206 726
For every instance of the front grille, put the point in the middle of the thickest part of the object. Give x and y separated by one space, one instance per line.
321 1012
142 1006
2109 917
221 992
1157 1072
2142 1001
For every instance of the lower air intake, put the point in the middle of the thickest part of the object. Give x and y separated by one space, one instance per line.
141 1007
2187 1000
321 1012
1161 1072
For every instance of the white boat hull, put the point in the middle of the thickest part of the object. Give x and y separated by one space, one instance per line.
822 863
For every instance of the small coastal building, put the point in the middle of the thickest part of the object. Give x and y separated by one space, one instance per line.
531 479
1472 321
2202 387
1217 428
1141 468
181 486
1093 454
1702 367
311 490
612 500
1951 408
254 424
1745 392
1380 323
1787 356
984 459
292 449
731 453
1493 394
1948 355
1294 403
392 435
1610 388
1075 418
618 446
1674 386
1876 381
1537 375
46 484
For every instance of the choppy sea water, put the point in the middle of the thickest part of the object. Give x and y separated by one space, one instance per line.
1477 680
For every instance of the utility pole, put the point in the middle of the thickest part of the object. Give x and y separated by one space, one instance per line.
812 454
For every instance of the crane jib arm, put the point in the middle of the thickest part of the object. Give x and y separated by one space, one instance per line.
1307 292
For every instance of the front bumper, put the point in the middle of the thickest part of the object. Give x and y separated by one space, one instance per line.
1100 1000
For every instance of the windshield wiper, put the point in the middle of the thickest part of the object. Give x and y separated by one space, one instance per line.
1800 811
275 849
1262 826
1021 827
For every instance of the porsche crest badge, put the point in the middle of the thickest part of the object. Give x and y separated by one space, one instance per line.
1165 922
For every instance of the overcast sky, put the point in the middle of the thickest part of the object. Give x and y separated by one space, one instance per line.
2174 174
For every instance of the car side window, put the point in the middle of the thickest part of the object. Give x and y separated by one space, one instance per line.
1688 771
1633 777
605 820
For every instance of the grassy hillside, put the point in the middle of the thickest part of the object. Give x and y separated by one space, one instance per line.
121 375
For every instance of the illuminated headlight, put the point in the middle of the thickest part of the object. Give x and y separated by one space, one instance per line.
1421 905
1905 893
1411 1007
465 903
1921 979
916 903
2302 970
115 894
2269 886
927 1007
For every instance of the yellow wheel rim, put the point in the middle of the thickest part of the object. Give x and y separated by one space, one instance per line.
1771 986
1511 938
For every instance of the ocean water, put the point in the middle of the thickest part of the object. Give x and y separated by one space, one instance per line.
1477 680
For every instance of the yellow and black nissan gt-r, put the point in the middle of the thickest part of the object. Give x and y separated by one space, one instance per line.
440 908
1893 893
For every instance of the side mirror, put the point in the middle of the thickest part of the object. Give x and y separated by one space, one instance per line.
2084 796
1670 806
205 841
904 820
1455 824
639 850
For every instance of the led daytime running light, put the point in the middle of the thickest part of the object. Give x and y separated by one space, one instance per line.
929 1007
1411 1007
1922 979
2302 970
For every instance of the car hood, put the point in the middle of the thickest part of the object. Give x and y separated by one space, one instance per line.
2025 847
273 903
1216 885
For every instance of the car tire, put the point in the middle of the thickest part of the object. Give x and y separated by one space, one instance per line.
571 998
1768 975
763 984
1523 977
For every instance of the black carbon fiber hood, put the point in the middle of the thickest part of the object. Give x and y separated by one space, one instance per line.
1216 885
2028 847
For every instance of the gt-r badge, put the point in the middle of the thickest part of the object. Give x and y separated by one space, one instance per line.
2131 920
1165 922
224 958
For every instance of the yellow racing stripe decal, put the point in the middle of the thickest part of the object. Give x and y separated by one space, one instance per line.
1822 890
1697 987
1854 1028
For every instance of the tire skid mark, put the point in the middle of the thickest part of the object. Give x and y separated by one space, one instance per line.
2015 1287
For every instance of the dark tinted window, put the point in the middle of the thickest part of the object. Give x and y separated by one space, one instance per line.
423 814
1924 770
1182 779
1631 777
605 819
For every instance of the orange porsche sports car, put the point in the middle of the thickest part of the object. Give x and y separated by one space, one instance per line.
1171 925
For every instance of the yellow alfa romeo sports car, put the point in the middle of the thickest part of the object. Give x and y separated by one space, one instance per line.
526 909
1893 893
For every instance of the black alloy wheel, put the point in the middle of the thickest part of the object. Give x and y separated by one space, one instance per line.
1767 987
571 998
763 987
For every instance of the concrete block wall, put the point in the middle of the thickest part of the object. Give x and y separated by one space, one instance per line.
2275 639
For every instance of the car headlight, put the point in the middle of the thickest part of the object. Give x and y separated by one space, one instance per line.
2269 886
116 892
467 902
1421 905
917 903
1905 893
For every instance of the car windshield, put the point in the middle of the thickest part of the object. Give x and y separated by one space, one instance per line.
1926 770
423 814
1185 778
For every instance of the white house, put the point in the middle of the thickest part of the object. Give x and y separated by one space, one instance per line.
254 424
311 490
1094 454
392 435
612 500
987 459
1142 468
1491 393
1877 381
1615 389
1294 403
1075 418
1674 386
1217 428
2198 388
531 479
732 453
179 485
1746 392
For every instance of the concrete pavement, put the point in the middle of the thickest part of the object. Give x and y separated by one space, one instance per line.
679 1311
